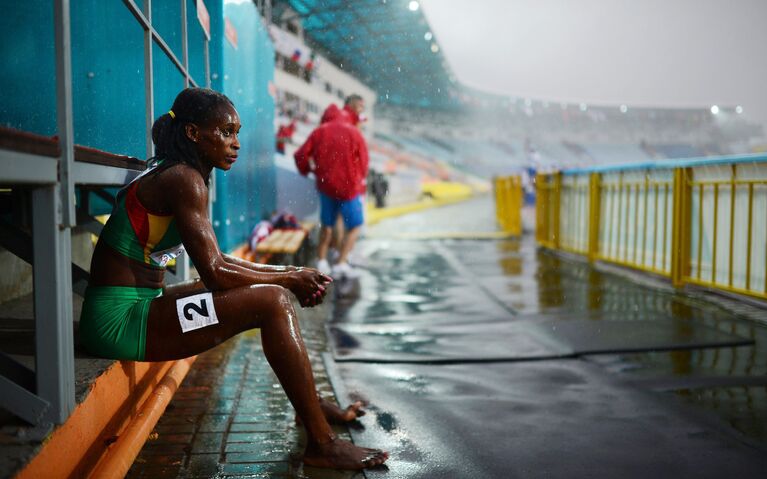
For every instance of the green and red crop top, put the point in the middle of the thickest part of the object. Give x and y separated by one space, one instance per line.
135 232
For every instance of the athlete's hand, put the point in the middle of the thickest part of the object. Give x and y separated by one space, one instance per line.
309 286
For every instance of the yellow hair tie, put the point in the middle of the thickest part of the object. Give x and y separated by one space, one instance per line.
172 115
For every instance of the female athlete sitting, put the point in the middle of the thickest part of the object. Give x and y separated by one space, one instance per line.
128 314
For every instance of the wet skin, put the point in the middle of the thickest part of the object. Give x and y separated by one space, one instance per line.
245 295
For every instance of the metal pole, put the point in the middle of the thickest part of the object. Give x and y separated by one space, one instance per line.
148 79
184 46
64 111
54 341
52 215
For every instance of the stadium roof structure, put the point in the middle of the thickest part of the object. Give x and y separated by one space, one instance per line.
386 44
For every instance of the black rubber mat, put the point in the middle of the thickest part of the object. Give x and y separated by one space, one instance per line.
502 340
552 419
600 337
514 340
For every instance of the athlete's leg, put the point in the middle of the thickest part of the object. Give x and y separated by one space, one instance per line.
269 308
185 287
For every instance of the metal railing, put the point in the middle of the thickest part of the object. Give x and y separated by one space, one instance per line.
47 394
508 203
700 221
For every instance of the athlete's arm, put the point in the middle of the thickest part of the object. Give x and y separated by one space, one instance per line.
187 198
265 268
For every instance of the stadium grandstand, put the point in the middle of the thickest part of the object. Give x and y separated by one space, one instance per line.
419 108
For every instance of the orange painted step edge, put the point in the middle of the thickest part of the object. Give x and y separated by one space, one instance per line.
120 456
74 448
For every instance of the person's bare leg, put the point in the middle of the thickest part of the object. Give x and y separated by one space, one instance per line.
326 233
269 308
338 233
285 351
350 238
335 240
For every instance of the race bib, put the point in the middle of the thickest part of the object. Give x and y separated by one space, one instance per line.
195 312
163 257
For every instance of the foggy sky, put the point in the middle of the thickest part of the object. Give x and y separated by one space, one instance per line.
654 53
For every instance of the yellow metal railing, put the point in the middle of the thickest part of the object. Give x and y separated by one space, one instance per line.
635 208
698 221
547 206
727 232
508 203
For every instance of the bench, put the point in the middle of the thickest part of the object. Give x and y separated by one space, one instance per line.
282 244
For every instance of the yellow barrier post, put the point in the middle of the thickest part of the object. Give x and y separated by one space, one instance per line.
541 210
506 199
556 197
515 216
508 203
594 215
497 185
680 240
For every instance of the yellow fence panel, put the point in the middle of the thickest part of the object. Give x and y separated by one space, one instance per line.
636 210
696 221
728 214
547 187
508 203
574 211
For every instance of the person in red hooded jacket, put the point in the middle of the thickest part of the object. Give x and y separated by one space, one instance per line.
337 154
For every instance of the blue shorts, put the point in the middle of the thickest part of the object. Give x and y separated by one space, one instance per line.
350 210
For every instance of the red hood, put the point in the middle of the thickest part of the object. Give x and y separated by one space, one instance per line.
332 113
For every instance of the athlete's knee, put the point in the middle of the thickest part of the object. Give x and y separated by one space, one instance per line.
272 301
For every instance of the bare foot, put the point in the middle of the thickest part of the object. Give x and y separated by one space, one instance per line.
336 415
340 454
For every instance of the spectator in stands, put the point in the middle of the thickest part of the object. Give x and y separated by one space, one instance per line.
128 313
337 154
285 134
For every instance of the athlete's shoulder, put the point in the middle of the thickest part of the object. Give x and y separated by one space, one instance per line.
183 182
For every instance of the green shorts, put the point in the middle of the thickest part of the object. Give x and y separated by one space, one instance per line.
113 321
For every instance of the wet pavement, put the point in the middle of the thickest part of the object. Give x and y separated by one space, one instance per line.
490 358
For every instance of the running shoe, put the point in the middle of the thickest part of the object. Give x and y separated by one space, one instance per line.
344 271
324 267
